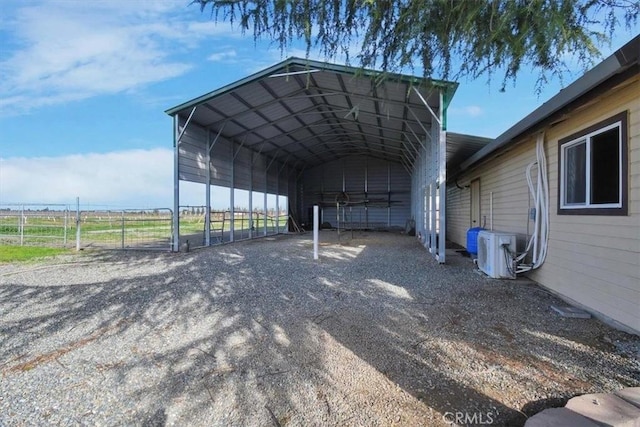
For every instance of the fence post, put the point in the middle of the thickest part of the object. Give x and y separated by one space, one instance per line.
21 225
66 221
77 223
122 246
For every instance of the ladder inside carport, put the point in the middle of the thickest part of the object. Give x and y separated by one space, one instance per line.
216 227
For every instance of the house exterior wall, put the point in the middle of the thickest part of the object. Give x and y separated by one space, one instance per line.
592 260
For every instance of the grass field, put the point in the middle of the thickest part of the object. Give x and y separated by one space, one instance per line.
27 253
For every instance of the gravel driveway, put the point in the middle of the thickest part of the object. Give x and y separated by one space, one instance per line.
257 333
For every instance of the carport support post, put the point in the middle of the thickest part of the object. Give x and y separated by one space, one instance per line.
278 203
177 136
251 198
232 202
21 225
207 214
176 188
77 223
316 226
442 180
122 231
388 195
266 178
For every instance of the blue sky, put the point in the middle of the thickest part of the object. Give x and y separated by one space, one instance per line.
84 86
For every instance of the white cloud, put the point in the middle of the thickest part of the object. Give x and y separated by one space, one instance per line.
62 51
123 177
130 178
222 56
468 111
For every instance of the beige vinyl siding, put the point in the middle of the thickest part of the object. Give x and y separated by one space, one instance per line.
592 260
458 214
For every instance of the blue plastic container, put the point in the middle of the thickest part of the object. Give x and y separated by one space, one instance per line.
472 240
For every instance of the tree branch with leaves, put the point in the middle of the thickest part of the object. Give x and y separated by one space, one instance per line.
446 38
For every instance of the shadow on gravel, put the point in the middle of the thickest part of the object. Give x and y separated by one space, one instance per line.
257 333
534 407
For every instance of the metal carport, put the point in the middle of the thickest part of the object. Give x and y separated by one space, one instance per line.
274 130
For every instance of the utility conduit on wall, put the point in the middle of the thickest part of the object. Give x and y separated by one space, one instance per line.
540 194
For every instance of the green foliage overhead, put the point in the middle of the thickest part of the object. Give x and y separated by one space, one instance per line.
445 38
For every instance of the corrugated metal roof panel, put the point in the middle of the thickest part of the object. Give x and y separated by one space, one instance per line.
314 111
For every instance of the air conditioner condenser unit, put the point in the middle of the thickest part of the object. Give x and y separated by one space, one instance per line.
493 258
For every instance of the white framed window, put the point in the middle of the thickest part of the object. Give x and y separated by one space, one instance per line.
593 169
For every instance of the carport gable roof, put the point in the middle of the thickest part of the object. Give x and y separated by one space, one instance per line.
307 112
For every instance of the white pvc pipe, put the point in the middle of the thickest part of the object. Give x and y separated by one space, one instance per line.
316 226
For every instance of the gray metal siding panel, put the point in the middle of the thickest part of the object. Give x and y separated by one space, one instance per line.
188 173
377 217
292 192
272 178
378 178
192 154
258 172
329 215
193 164
321 184
221 163
283 182
355 171
332 177
242 169
312 187
400 195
